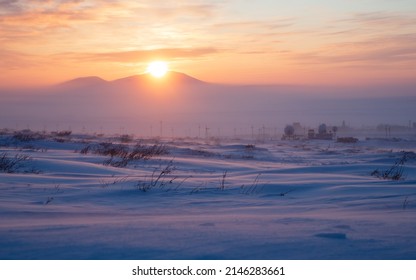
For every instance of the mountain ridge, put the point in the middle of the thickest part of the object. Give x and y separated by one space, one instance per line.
82 81
141 79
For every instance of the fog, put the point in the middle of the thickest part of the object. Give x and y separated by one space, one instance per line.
184 106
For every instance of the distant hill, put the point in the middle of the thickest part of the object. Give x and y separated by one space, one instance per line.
95 89
131 83
82 82
170 77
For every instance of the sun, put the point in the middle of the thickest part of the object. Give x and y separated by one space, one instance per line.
157 69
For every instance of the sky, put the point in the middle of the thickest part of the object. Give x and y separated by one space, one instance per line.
317 42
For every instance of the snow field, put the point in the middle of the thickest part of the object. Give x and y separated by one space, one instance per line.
231 200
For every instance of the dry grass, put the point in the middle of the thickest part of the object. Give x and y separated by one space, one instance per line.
121 155
396 171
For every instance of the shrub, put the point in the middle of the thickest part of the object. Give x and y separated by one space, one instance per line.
27 135
125 138
147 152
12 164
63 133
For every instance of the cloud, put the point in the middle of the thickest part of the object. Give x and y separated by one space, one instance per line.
12 60
370 24
34 21
36 9
389 50
254 24
53 21
81 34
9 7
64 10
172 9
381 20
141 55
362 40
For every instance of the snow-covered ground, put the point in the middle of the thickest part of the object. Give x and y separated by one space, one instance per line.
197 199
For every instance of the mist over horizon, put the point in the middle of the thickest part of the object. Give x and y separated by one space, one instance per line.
183 104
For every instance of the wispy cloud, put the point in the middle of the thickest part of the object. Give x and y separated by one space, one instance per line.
171 9
93 23
12 60
248 25
382 19
140 55
50 13
364 40
9 6
387 54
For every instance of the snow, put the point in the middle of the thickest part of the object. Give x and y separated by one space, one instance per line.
234 199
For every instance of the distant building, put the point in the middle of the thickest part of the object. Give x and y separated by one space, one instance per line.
322 134
293 132
311 134
289 133
299 130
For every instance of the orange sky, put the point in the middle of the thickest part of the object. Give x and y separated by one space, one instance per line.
223 41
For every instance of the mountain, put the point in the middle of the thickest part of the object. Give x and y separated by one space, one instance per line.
131 83
84 81
170 77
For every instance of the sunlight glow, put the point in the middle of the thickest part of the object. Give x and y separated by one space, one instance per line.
157 69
